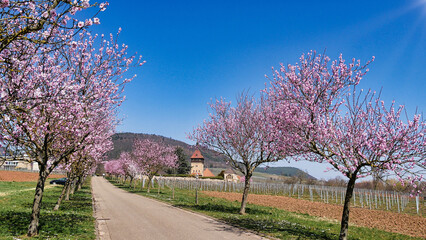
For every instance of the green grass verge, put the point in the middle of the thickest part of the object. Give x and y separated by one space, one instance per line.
74 220
8 187
266 220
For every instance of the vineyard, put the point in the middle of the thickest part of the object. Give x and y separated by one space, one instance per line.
373 219
363 198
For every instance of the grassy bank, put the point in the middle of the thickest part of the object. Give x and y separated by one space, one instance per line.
74 220
269 221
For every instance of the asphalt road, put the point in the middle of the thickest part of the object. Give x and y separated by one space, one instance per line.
124 215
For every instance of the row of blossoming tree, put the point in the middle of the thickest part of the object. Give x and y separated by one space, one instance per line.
60 89
146 158
313 111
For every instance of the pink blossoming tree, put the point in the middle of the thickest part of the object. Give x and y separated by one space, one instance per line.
242 134
114 167
130 166
70 95
29 28
84 162
152 157
41 22
354 133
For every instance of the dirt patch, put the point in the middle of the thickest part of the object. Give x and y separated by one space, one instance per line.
16 176
387 221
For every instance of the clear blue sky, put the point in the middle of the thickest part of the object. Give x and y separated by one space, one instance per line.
198 50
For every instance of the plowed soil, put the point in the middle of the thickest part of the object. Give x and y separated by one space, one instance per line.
16 176
387 221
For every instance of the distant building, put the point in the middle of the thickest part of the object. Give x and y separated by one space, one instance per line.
19 163
197 163
230 175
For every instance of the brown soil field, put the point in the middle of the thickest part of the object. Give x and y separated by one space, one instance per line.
387 221
16 176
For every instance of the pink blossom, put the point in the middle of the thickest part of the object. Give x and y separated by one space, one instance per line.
4 3
88 22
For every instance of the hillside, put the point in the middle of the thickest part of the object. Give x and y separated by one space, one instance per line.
123 142
284 171
213 160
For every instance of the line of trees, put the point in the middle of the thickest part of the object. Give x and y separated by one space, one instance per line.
60 89
146 158
314 111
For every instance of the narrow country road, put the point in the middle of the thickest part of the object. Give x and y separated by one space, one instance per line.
124 215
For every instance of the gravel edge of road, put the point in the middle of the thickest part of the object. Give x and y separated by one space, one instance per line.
101 228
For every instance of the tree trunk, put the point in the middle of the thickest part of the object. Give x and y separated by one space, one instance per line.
345 216
245 194
72 187
67 196
35 215
64 190
78 184
149 182
131 181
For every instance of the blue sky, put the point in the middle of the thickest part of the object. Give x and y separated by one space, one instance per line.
199 50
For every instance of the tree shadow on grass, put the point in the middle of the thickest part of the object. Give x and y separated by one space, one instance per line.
257 220
222 208
127 188
15 223
282 228
66 224
77 201
137 189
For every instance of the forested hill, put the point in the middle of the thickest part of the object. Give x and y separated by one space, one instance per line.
124 141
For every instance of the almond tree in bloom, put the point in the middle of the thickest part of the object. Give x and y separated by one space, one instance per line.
302 95
29 28
41 21
114 167
151 157
242 134
354 133
71 94
369 138
84 162
129 166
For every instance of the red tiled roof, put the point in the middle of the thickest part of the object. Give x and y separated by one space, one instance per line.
207 173
197 154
